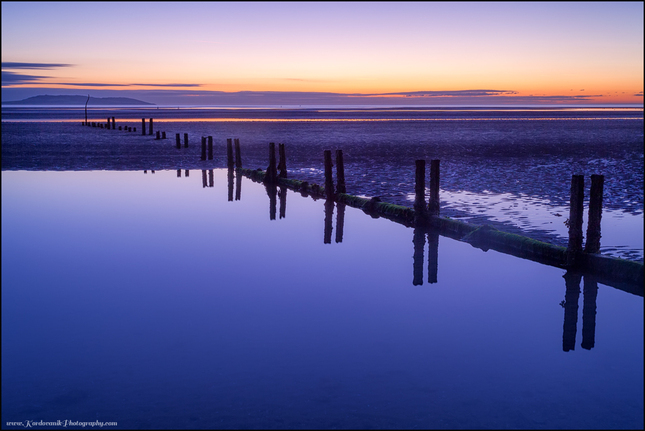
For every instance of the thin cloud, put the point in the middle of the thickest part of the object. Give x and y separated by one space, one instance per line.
167 85
14 65
12 78
639 94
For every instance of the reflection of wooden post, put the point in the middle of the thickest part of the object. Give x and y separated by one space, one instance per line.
590 294
203 177
238 157
340 173
329 181
282 196
419 241
238 186
178 173
203 148
340 222
187 172
329 214
143 127
419 190
210 178
282 165
185 140
210 148
575 217
595 214
178 142
433 256
230 184
572 283
150 127
272 191
229 153
433 204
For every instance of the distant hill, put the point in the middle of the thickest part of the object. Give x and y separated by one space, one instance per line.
76 100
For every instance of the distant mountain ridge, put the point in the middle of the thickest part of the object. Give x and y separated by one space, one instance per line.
76 100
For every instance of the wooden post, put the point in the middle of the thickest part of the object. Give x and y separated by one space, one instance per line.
210 148
88 99
143 127
271 173
340 173
238 157
120 128
282 165
433 204
595 214
163 135
329 180
229 154
150 127
571 296
130 129
203 148
158 135
178 142
419 242
113 124
420 191
575 217
185 140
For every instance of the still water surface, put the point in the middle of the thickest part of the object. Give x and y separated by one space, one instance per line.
155 302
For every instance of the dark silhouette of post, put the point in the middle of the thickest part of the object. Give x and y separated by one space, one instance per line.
433 201
86 102
340 222
143 127
163 135
203 148
210 148
282 196
433 256
271 173
419 191
150 127
113 124
329 181
595 214
178 173
186 173
575 217
571 296
178 141
238 186
238 157
272 191
340 173
229 153
210 178
203 178
329 214
185 140
419 241
230 184
590 293
282 164
158 135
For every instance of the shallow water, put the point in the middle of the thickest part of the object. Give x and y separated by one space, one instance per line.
155 302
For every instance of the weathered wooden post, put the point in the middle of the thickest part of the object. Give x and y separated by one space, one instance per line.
590 293
113 124
185 140
271 173
571 296
419 191
143 127
229 153
575 217
282 165
329 214
329 180
177 141
433 204
88 99
595 214
163 135
340 173
150 127
419 242
340 222
238 157
203 176
210 148
158 135
433 256
109 123
203 148
120 128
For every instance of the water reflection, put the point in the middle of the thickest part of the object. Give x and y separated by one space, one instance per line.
329 214
230 184
340 222
570 304
419 241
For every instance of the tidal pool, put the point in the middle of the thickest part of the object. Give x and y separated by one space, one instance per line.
159 300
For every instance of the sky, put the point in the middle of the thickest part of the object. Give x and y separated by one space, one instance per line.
416 53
